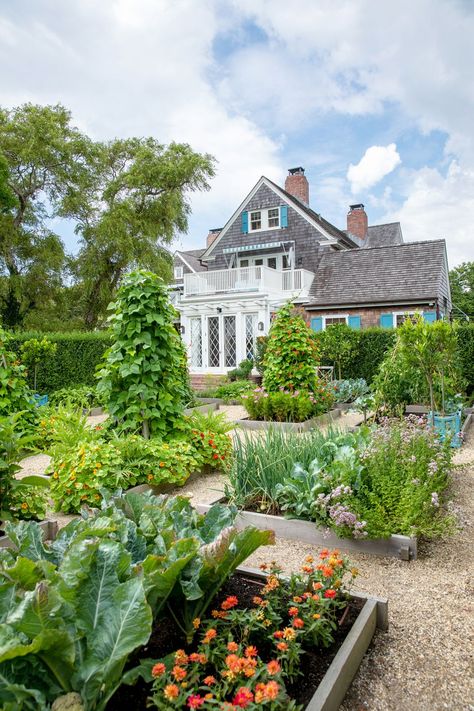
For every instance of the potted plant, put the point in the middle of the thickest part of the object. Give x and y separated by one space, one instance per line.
33 353
431 348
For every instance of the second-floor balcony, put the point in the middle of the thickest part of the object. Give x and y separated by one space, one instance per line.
288 282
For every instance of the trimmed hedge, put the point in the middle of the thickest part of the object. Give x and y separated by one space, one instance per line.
375 342
74 363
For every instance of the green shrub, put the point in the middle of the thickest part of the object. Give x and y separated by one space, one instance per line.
291 355
74 363
287 406
15 394
261 349
37 351
82 397
346 391
242 372
233 391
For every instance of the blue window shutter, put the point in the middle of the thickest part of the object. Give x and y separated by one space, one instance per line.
386 320
429 316
354 321
317 323
245 222
283 216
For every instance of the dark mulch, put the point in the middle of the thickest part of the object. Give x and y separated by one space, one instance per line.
166 637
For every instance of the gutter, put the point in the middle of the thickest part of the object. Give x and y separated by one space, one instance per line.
430 301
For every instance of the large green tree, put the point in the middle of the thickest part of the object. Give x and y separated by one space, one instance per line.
462 288
47 160
137 201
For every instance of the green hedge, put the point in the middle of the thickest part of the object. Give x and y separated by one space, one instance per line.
375 342
75 361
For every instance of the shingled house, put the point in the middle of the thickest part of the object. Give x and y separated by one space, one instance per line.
274 248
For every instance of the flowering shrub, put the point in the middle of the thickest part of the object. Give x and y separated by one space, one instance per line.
245 655
28 502
391 481
212 449
287 405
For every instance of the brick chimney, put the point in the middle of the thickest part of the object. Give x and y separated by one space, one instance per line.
297 185
357 223
212 236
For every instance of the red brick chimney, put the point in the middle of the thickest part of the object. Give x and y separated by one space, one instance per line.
357 223
297 185
212 236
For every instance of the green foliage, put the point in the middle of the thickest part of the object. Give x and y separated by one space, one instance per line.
7 196
19 498
287 405
233 391
465 338
397 385
80 606
346 391
212 421
74 363
373 344
15 395
337 345
242 372
431 350
261 349
80 398
461 280
144 375
138 199
63 428
34 352
291 355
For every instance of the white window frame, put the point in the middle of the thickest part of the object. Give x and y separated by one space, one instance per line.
402 313
251 261
178 272
345 316
264 226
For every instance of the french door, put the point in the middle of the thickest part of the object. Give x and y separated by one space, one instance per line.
221 342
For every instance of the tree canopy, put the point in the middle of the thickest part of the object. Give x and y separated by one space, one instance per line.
128 198
462 288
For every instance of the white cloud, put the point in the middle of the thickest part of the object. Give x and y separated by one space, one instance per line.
440 206
375 164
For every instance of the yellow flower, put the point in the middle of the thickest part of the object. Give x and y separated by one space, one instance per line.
196 623
24 506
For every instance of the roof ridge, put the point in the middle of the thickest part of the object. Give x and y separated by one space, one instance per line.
392 246
385 224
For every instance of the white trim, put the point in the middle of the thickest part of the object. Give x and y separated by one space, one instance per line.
402 313
185 262
284 198
178 272
346 316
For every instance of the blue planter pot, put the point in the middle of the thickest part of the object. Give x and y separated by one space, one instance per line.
40 400
448 427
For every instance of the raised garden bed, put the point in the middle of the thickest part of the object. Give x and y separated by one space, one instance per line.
207 407
49 528
319 421
327 673
402 547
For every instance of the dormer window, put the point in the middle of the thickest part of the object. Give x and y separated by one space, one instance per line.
178 272
255 220
274 217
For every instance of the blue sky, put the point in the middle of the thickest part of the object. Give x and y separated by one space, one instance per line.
375 100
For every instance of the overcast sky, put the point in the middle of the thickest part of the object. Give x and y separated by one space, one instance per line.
374 99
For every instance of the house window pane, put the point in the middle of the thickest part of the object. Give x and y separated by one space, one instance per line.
196 342
272 262
274 217
255 220
332 320
250 327
259 262
230 353
178 272
244 262
213 341
401 318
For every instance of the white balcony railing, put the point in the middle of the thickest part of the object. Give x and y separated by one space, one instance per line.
248 279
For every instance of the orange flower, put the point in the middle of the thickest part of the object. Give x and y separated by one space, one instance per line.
330 593
297 598
197 658
282 646
196 623
209 680
233 647
316 616
271 691
229 602
309 559
195 701
180 657
288 633
243 697
257 600
293 611
179 673
162 464
210 634
317 586
158 669
298 623
171 692
324 554
233 662
307 569
251 651
278 634
273 667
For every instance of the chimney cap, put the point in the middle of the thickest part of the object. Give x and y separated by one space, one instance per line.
296 171
358 206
